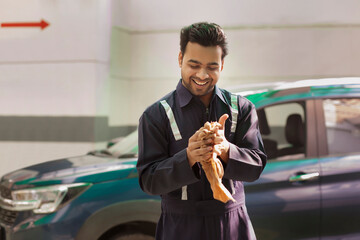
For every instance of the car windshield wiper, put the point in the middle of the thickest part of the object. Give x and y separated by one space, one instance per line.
106 153
127 155
102 152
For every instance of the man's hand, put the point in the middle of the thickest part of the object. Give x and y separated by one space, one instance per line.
222 145
195 152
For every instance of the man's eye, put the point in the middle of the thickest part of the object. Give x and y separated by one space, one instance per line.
194 66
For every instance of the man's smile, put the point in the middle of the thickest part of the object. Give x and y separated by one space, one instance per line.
199 82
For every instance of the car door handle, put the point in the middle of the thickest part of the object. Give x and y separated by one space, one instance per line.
300 177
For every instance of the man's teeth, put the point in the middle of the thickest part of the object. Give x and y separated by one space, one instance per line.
200 83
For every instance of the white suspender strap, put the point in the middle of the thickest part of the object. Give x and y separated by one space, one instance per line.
177 135
234 112
170 115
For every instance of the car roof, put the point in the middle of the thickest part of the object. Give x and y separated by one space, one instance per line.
273 92
247 89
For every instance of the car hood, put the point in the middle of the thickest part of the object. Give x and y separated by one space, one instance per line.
86 168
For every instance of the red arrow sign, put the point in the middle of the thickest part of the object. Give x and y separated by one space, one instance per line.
41 24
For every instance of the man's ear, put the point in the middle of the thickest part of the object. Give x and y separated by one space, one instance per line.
180 59
222 64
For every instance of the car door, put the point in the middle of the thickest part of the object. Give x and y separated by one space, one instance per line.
339 135
285 202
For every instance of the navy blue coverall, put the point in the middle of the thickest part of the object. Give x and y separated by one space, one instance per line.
189 210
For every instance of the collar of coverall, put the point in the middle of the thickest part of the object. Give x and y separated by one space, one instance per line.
184 95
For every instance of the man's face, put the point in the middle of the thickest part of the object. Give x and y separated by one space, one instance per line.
200 69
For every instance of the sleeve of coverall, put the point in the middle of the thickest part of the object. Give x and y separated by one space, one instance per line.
158 172
247 157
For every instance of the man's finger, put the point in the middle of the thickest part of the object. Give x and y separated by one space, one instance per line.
218 140
195 135
222 120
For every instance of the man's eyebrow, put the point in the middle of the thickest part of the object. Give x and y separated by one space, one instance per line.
194 61
197 62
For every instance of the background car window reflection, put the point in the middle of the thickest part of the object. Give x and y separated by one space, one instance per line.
342 120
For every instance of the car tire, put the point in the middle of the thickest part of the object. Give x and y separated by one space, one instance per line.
132 236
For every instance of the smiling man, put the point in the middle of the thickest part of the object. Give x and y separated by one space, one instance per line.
170 151
200 69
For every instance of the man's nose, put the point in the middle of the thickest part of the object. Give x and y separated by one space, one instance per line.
202 74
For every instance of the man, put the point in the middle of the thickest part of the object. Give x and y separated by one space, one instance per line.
170 152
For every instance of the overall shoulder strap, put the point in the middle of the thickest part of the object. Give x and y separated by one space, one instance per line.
234 112
173 124
177 135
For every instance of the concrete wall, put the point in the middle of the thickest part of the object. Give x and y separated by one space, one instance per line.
87 77
268 41
53 82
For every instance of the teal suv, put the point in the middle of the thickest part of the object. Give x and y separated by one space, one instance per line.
310 188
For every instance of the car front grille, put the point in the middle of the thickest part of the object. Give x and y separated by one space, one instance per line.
5 192
8 217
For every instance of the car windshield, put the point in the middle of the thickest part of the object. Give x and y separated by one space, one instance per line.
126 147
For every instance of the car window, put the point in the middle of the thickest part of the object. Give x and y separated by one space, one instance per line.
283 130
342 121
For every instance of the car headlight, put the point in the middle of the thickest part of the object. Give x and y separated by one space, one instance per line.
44 199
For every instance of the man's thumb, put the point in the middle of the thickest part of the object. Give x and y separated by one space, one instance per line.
222 120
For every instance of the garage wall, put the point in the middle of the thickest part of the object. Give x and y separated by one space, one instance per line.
268 41
53 82
88 76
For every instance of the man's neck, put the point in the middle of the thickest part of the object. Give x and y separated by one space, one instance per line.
206 99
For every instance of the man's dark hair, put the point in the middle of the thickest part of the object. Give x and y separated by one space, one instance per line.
205 34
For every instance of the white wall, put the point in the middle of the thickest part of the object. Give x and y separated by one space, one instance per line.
60 64
113 58
62 70
159 14
268 41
